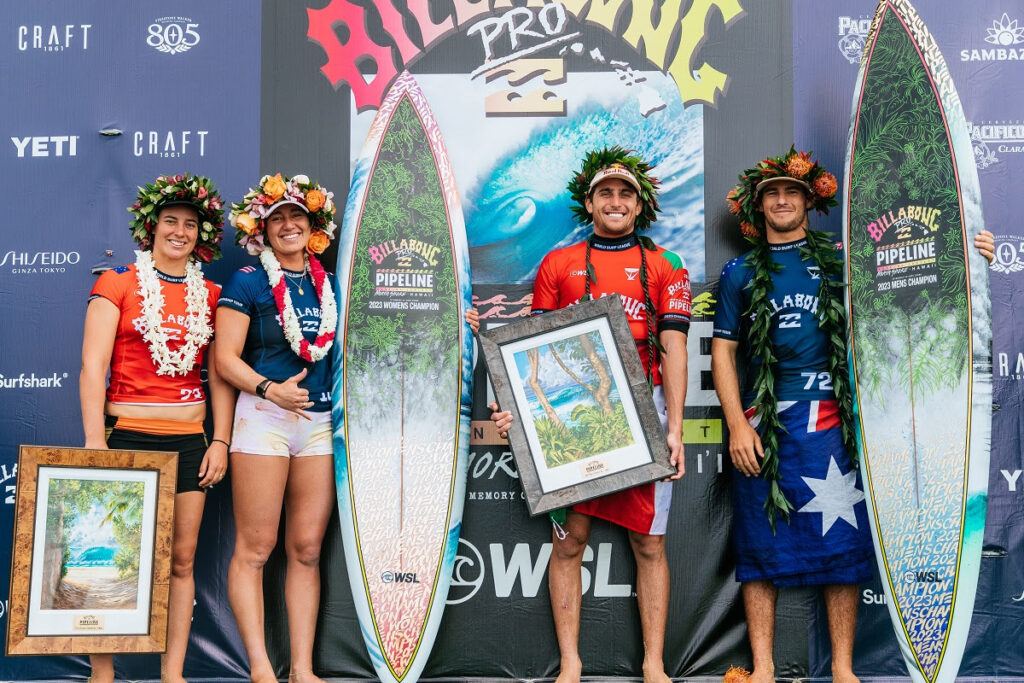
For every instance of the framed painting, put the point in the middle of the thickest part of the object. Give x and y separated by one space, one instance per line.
584 423
90 571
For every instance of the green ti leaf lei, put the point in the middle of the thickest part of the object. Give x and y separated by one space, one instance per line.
831 321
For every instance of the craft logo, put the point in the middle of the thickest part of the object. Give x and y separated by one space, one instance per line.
905 243
169 144
1009 256
672 44
173 35
852 34
33 381
1010 365
9 473
53 37
405 271
399 577
45 145
1004 34
39 262
521 571
993 139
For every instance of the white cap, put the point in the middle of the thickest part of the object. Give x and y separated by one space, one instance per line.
614 171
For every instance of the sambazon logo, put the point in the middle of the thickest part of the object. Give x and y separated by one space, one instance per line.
992 140
1004 34
33 263
521 569
1009 256
172 35
53 37
33 381
169 144
852 33
45 145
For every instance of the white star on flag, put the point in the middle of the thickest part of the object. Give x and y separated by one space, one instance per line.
834 496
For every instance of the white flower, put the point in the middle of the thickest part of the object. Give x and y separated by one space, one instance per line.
300 179
197 320
289 321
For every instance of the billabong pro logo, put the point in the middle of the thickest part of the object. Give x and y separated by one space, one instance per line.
1009 256
53 37
852 34
38 262
1005 34
173 35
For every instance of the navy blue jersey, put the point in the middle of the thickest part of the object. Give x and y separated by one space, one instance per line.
266 349
800 346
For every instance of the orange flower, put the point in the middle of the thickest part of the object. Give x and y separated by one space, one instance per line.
315 200
734 207
246 222
825 185
274 187
748 229
318 241
799 165
736 674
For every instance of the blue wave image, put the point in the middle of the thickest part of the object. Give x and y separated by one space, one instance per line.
521 208
564 400
93 556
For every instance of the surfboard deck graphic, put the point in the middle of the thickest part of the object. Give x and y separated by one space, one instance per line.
402 382
920 351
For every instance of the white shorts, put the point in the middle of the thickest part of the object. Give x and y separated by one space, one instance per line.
263 428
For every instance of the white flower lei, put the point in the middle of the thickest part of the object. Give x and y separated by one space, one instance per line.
289 321
197 321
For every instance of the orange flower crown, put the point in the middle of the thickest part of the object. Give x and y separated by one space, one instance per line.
249 216
742 199
196 191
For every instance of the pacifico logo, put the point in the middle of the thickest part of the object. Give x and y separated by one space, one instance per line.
45 145
173 35
852 34
38 262
54 380
992 139
53 37
169 144
1005 35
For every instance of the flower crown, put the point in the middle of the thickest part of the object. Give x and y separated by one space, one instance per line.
599 159
195 191
249 216
742 199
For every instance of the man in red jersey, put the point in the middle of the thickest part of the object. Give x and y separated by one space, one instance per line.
614 191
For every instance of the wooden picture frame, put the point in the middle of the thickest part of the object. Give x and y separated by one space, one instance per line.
599 432
104 518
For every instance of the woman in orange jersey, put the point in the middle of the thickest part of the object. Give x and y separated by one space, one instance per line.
149 324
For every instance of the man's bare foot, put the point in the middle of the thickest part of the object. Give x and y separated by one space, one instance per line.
304 677
571 671
844 676
762 675
168 678
654 672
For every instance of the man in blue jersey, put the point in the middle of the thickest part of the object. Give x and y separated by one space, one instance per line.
800 518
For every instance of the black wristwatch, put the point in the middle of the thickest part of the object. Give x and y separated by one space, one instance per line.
261 388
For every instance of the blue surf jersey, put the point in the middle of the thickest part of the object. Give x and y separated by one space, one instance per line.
266 349
800 345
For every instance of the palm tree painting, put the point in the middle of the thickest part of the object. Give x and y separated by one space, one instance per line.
573 399
93 544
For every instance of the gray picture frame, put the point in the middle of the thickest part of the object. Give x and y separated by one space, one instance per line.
590 475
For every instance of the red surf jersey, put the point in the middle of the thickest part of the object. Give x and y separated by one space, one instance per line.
561 282
133 377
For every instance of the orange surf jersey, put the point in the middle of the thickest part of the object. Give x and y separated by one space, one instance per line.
133 377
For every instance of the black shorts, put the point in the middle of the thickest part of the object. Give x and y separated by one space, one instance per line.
190 449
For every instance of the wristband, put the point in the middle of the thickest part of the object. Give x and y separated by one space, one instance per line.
261 388
221 441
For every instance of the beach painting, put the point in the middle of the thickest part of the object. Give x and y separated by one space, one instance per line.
93 548
577 408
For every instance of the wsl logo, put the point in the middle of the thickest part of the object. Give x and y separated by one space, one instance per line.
399 577
173 35
852 34
1005 35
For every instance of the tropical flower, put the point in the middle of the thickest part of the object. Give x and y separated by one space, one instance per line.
197 191
799 165
315 200
249 215
275 187
825 185
318 242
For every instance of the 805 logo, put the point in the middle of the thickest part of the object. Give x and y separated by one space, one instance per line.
173 35
1009 254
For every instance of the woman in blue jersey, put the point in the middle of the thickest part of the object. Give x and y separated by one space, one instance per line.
275 329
